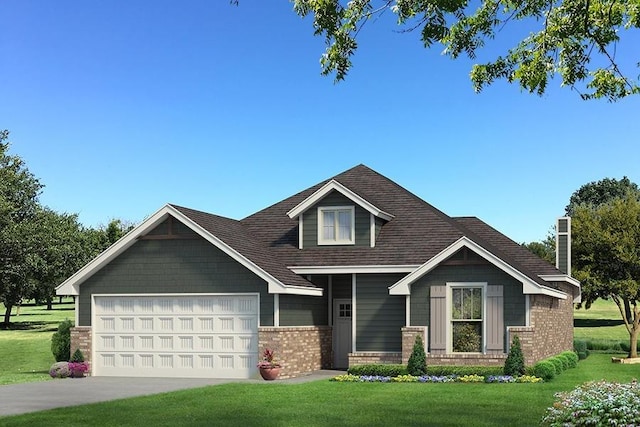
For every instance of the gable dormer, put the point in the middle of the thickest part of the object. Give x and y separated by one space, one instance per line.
336 216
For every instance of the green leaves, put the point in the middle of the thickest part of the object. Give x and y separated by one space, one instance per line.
566 38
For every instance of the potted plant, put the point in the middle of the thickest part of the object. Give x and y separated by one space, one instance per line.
269 369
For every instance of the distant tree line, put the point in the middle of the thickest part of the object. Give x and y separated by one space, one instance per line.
39 248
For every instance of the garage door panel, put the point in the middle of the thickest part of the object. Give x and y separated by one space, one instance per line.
178 336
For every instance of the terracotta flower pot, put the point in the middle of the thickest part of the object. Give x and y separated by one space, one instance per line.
270 374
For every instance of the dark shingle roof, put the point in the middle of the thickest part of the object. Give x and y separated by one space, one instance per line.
418 232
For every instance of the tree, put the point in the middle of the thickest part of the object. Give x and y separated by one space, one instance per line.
19 191
576 39
606 249
545 249
597 193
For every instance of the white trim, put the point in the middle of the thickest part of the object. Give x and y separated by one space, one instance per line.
348 269
449 301
407 310
300 233
335 185
372 231
276 310
527 310
336 224
353 313
71 285
77 312
529 286
560 278
330 298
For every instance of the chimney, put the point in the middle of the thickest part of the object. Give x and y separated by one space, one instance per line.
563 245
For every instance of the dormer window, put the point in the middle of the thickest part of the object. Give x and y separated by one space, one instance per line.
336 225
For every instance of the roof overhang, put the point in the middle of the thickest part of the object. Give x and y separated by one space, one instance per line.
335 185
529 286
72 284
566 279
350 269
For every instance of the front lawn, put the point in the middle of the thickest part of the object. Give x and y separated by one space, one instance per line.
25 348
324 403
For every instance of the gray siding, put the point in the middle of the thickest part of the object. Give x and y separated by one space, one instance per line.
310 221
379 316
563 253
513 299
174 266
304 310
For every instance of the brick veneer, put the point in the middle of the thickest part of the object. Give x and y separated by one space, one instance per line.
301 349
409 334
81 339
373 357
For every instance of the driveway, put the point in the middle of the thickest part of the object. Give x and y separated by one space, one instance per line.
31 397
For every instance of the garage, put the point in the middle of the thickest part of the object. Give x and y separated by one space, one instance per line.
185 335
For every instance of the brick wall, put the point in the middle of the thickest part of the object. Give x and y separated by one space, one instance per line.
300 350
81 338
374 358
409 334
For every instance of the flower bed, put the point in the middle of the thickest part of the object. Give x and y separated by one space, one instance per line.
350 378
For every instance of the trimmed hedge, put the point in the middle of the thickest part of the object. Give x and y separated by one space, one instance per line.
544 369
383 370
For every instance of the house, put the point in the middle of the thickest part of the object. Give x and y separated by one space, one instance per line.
346 272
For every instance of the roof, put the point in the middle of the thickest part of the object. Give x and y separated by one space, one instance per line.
414 233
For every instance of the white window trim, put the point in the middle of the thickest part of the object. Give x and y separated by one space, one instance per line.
450 286
321 240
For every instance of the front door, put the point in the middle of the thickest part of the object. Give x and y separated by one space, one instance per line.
341 333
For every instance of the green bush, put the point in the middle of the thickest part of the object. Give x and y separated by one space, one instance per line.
77 356
417 364
514 365
572 357
596 404
485 371
565 362
61 342
557 363
384 370
544 369
580 346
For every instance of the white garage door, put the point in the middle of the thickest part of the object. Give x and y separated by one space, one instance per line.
207 336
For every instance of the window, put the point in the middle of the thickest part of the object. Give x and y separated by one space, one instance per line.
336 226
467 309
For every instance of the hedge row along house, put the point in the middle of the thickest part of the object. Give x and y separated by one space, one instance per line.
346 272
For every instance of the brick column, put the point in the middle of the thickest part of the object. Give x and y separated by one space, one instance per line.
81 339
409 334
527 342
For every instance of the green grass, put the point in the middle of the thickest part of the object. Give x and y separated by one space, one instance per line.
25 348
323 403
601 322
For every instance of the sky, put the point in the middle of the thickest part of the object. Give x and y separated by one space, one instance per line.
121 107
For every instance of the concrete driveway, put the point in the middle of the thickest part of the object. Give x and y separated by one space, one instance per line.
31 397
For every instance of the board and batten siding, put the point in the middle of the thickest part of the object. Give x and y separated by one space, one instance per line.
174 266
379 316
334 198
513 300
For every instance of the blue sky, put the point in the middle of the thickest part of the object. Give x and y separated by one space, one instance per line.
122 107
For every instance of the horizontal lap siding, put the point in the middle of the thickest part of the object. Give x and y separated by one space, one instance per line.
379 316
304 310
174 266
514 299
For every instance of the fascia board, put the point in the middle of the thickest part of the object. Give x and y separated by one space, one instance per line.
402 287
335 185
349 269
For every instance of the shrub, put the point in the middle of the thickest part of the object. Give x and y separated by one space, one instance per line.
580 347
60 370
417 364
557 363
544 369
572 357
77 356
61 341
565 362
596 403
485 371
514 365
384 370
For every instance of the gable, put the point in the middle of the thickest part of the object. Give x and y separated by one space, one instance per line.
529 286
